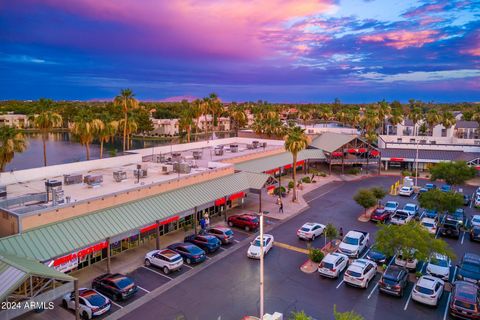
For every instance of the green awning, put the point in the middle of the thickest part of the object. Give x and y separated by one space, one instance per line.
278 160
329 141
57 239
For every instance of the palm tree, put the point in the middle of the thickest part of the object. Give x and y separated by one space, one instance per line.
205 107
326 113
106 131
126 100
416 115
304 115
85 128
215 108
295 141
238 117
11 141
186 119
384 111
196 106
130 128
45 122
448 119
396 116
342 116
432 118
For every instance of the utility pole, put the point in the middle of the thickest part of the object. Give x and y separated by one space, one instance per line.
261 266
416 165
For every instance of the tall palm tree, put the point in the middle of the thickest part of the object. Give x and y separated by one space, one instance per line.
396 117
130 128
384 111
304 115
85 127
186 119
205 107
448 119
106 131
416 115
432 118
295 141
238 117
196 108
325 113
11 141
216 109
126 100
45 122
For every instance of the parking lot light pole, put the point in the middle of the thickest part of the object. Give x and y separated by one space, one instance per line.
416 165
261 265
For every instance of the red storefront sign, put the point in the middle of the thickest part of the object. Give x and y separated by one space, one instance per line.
300 163
169 220
64 259
270 188
337 154
396 159
153 226
237 195
273 171
362 150
375 153
288 166
80 254
220 202
352 150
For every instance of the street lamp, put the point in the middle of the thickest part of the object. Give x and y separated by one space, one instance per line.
416 165
261 265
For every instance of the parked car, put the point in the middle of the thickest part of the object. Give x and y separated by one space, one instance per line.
360 273
477 201
411 209
464 302
380 215
428 290
458 215
391 206
430 186
467 199
475 234
165 259
92 303
477 191
354 243
439 266
209 243
376 256
405 191
394 280
225 235
244 221
475 221
310 230
450 229
432 214
422 190
429 224
333 264
254 251
409 263
116 286
446 188
401 217
469 268
189 252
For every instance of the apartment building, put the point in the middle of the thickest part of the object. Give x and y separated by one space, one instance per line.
14 120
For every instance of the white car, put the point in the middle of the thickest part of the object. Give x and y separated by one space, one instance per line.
310 230
411 209
477 200
254 249
439 266
475 221
333 264
406 191
401 217
428 290
410 264
391 206
429 224
91 303
354 242
166 259
360 273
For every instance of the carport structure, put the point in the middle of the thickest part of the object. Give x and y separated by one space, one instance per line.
346 149
26 284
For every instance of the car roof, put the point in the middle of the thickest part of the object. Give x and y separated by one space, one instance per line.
471 257
466 291
332 257
393 271
265 237
410 204
428 220
354 234
394 202
439 256
310 224
427 282
167 253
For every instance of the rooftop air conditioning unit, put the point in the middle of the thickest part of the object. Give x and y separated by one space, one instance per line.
234 148
182 167
69 179
140 173
158 158
250 146
93 180
197 155
176 156
218 151
167 168
255 143
119 175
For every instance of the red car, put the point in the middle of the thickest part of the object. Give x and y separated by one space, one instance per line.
465 301
380 215
244 221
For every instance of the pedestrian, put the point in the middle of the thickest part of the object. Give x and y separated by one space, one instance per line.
202 225
341 232
279 200
280 208
207 220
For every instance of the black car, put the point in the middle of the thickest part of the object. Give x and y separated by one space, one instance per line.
207 242
117 286
394 280
466 199
475 233
225 235
376 256
450 228
469 268
458 215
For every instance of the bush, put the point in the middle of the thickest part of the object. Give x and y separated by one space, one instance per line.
354 171
278 190
406 173
316 255
322 174
306 180
291 184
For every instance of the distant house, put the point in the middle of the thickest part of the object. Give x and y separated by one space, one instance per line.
14 120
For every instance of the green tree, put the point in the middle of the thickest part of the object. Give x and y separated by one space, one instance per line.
130 128
237 116
144 123
299 315
45 122
365 198
432 118
411 240
126 101
106 131
440 201
330 232
454 173
185 123
295 141
416 115
11 141
448 119
349 315
379 193
85 127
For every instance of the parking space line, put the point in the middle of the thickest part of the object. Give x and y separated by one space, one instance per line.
415 196
113 302
163 275
236 241
472 199
408 300
326 192
340 284
463 237
373 290
223 249
366 252
449 297
290 247
186 265
143 289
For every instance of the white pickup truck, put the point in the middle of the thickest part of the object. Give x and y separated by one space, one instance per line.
354 243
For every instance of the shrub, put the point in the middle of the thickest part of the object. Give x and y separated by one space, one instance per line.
299 315
291 184
278 190
407 173
316 255
306 180
354 171
322 174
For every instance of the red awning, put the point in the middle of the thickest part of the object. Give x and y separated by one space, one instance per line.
375 153
352 150
272 171
150 227
237 195
300 163
172 219
220 202
288 166
337 154
362 150
270 188
396 159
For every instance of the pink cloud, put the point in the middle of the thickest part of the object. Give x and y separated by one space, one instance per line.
228 28
403 39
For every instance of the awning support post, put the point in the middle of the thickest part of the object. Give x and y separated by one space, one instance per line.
109 267
157 239
77 302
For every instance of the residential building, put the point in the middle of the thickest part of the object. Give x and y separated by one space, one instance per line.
165 127
223 123
14 120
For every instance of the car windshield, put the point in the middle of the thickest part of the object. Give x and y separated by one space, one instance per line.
175 258
229 233
472 267
255 220
401 215
439 262
212 240
327 265
122 282
465 305
428 224
193 250
257 243
476 219
305 229
354 274
423 290
390 205
389 281
351 241
93 298
409 207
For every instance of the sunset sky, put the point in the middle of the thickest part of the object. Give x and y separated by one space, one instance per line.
275 50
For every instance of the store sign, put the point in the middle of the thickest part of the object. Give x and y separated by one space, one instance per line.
70 261
273 171
237 195
148 228
396 159
288 166
169 220
220 202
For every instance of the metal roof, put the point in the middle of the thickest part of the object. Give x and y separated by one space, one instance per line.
463 124
57 239
14 270
330 141
278 160
437 155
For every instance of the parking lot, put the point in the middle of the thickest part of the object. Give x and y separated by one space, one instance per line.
228 289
